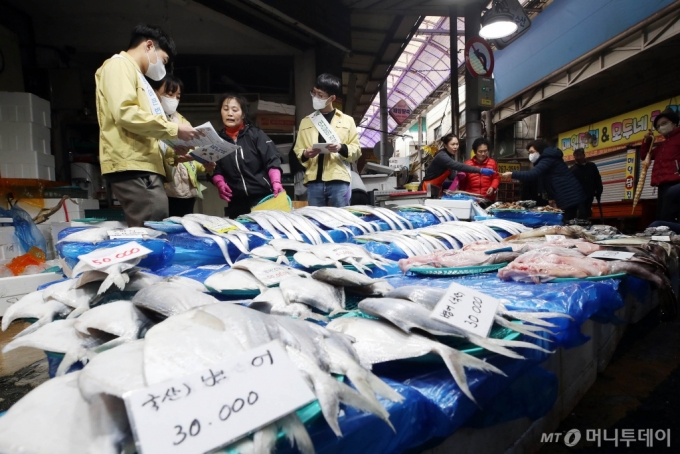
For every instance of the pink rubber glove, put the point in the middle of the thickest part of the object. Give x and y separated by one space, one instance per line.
275 178
458 181
222 187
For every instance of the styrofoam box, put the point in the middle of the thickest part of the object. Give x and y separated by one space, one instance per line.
13 288
108 225
22 137
70 210
461 208
10 247
27 164
24 107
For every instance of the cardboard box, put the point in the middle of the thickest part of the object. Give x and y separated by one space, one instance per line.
275 123
23 137
13 288
18 107
27 164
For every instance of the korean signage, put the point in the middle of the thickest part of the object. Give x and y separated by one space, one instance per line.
400 111
613 134
629 190
508 167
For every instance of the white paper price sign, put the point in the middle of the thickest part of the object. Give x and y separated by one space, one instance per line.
102 258
215 407
552 238
220 227
211 267
466 309
611 255
661 238
127 233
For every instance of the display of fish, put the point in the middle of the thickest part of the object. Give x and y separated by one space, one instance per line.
119 318
272 302
571 231
327 298
116 274
548 263
80 299
167 298
234 280
34 306
457 258
337 254
443 214
268 272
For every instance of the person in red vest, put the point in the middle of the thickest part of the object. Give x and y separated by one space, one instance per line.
479 183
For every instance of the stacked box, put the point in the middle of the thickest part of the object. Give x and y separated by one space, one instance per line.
25 150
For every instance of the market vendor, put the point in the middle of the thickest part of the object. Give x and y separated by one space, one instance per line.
444 165
666 171
484 185
253 172
557 180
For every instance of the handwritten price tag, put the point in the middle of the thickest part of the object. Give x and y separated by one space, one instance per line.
127 233
466 309
215 407
661 238
611 255
102 258
220 227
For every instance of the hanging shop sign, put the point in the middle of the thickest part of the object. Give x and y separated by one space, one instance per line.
508 167
613 134
629 190
400 111
479 57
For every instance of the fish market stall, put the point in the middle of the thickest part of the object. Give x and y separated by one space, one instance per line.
395 331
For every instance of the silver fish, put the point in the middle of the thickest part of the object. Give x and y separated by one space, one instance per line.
324 297
116 274
119 318
196 229
272 302
34 305
342 277
234 279
170 299
267 272
80 299
310 260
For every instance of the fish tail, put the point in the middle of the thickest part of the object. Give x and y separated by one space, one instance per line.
296 433
337 311
70 358
350 397
488 344
264 440
368 384
530 318
329 401
457 361
518 344
34 326
78 312
520 328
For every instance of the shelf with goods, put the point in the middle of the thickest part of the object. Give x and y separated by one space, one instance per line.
509 191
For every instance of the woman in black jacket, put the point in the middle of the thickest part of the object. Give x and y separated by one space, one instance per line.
558 181
245 177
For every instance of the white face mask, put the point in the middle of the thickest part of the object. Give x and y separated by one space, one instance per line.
169 105
665 128
533 157
155 71
319 104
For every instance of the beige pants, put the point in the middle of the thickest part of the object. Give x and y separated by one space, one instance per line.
143 199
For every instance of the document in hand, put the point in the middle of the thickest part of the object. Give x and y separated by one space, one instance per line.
208 147
321 146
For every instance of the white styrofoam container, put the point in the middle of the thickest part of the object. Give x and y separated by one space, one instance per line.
461 208
108 225
13 288
27 164
70 210
24 107
10 247
23 137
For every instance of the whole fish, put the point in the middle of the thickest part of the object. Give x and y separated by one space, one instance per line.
116 274
169 299
266 251
34 305
284 244
65 421
267 272
80 299
310 260
140 280
324 297
342 277
196 229
568 231
119 318
91 235
272 302
378 342
378 288
235 279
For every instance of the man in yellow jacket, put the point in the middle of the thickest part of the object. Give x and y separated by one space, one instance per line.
131 122
327 174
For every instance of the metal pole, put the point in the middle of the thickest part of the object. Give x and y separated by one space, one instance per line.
538 118
473 125
420 147
453 61
383 123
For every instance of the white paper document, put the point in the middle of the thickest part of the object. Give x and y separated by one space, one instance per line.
322 146
209 147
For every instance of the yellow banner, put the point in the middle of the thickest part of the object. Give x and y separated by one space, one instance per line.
508 167
613 134
629 190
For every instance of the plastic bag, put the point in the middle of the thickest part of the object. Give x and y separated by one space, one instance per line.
25 229
161 254
530 218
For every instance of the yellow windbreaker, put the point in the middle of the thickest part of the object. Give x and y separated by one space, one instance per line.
129 133
333 164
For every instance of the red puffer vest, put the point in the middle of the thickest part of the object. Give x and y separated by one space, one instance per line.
666 156
478 183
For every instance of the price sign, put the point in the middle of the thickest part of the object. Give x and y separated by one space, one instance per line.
102 258
552 238
269 273
215 407
466 309
611 255
661 238
220 227
127 233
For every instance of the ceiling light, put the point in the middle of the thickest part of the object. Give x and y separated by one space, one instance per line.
497 22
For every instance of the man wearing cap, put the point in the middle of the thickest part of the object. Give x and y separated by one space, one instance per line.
666 171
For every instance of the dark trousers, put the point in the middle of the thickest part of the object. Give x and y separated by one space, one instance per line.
585 209
143 199
668 203
180 207
569 214
241 204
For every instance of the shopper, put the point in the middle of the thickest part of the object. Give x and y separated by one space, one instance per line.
486 186
131 122
589 177
666 171
182 186
327 176
561 185
444 165
253 172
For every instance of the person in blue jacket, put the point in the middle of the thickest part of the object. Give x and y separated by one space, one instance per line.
558 181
